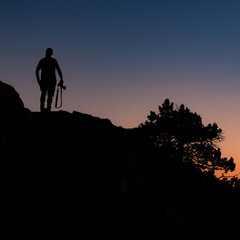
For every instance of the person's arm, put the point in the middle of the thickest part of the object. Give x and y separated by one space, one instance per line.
37 72
59 73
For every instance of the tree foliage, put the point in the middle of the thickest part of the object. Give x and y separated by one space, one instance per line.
182 134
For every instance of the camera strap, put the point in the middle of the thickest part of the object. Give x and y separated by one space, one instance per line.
56 100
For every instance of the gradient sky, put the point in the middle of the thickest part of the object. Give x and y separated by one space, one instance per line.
122 58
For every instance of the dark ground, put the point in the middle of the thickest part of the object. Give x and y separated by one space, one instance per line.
70 175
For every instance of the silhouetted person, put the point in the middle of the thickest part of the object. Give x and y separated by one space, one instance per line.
47 83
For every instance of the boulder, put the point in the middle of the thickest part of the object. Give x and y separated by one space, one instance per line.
11 105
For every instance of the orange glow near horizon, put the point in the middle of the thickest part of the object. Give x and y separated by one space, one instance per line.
129 106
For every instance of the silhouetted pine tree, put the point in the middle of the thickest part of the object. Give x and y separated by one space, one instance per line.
181 134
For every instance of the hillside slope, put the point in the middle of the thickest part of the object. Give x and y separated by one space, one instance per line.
65 175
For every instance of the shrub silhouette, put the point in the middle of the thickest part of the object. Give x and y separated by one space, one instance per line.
181 135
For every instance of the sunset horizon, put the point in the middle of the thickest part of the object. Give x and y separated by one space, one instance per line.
122 59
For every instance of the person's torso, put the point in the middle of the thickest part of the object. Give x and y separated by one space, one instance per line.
48 69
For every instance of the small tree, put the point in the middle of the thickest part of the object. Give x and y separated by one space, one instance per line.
183 135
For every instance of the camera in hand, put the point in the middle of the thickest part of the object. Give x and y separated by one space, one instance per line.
62 86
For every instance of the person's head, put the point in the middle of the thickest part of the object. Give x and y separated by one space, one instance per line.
49 52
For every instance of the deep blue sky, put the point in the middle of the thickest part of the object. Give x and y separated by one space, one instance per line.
122 58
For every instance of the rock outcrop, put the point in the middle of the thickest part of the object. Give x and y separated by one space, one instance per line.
11 105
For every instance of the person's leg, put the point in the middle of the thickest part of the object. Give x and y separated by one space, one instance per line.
51 91
42 99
